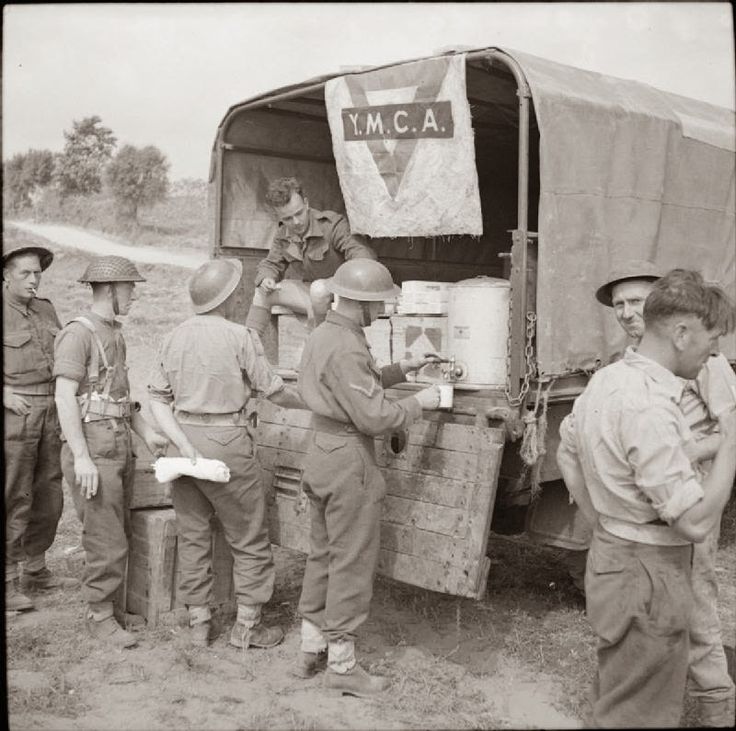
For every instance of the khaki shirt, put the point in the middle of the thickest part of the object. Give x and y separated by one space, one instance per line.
339 379
209 365
317 254
628 433
708 396
73 353
28 341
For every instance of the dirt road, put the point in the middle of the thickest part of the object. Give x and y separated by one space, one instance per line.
98 244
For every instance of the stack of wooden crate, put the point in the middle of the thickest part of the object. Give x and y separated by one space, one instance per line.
151 589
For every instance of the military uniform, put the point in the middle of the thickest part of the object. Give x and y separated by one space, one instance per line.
316 254
340 383
703 400
92 352
207 368
628 435
33 494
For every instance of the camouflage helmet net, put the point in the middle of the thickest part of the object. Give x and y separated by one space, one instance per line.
111 269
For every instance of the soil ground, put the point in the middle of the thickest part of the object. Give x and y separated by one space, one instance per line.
522 657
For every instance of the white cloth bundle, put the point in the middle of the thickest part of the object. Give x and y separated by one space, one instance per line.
169 468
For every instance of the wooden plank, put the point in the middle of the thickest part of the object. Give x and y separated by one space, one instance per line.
437 518
437 576
147 492
428 461
432 489
279 436
480 512
422 543
289 535
427 488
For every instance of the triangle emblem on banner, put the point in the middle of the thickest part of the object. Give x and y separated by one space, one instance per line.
392 157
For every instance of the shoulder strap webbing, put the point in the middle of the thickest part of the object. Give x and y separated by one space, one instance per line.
93 370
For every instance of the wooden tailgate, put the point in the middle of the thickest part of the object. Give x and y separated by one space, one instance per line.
441 482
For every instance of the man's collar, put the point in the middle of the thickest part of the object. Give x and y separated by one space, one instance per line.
658 373
338 319
110 321
312 228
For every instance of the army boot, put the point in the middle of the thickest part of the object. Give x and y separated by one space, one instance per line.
355 681
200 625
16 600
249 631
308 664
109 631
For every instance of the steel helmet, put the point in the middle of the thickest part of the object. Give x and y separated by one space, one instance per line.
213 283
111 269
365 280
45 256
632 269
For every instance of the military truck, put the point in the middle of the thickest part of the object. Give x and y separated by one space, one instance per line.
575 171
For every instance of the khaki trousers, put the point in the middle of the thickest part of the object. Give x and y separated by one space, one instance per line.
708 667
345 488
639 602
105 517
33 494
241 508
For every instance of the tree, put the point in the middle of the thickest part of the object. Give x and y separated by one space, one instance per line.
89 147
24 174
137 177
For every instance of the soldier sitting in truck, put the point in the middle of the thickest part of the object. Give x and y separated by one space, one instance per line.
311 244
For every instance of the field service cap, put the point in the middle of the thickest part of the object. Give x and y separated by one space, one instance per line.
632 269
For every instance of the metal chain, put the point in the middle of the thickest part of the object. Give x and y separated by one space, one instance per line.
530 371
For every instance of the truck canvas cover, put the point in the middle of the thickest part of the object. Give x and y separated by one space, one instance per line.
625 171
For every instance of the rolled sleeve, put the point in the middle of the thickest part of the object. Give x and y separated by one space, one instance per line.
159 387
72 348
392 374
654 442
716 384
568 434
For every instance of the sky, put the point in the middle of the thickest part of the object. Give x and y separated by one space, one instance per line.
166 74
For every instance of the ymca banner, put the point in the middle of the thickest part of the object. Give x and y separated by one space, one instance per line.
404 148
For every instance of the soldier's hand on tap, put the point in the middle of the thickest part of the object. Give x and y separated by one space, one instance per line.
429 398
414 364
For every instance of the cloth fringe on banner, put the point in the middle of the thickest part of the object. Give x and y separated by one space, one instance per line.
404 149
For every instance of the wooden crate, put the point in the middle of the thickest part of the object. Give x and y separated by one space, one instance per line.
415 335
147 492
153 570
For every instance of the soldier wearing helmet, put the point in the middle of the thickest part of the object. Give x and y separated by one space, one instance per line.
206 370
33 494
340 382
309 244
96 416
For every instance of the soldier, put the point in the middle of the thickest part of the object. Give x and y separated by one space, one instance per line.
33 494
206 370
97 415
625 454
340 383
310 244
